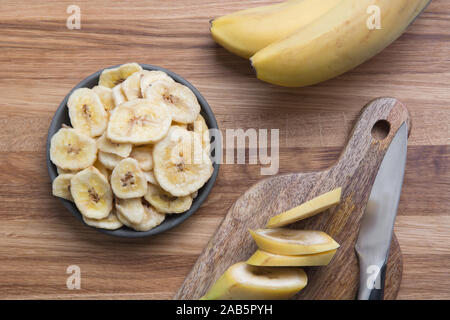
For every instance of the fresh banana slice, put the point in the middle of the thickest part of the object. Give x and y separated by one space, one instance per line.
109 160
165 202
180 100
131 209
71 150
86 112
150 177
139 122
132 86
199 126
151 77
103 170
112 77
106 97
111 222
144 156
127 180
92 193
307 209
120 149
181 166
264 258
245 282
152 218
293 242
118 95
61 186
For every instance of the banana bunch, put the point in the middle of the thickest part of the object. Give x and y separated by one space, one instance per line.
138 149
261 277
303 42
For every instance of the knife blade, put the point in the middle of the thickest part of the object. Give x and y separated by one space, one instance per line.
377 222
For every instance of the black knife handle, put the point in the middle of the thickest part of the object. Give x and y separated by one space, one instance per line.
378 294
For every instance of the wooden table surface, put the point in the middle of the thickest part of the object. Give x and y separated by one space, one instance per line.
41 60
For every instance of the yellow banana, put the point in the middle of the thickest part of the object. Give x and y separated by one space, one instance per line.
245 282
335 43
264 258
293 242
248 31
307 209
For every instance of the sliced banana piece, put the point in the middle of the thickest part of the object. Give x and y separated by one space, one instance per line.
293 242
152 218
132 210
71 150
194 194
106 97
63 171
139 122
103 170
92 193
307 209
127 180
150 177
264 258
61 186
118 95
151 77
201 128
243 282
123 219
109 160
132 86
120 149
165 202
112 77
144 156
180 100
111 222
86 112
182 125
181 166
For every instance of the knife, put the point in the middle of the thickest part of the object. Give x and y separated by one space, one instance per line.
377 222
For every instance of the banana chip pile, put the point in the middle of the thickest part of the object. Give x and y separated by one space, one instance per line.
138 149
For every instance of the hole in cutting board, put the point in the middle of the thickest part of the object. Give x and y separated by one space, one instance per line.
381 129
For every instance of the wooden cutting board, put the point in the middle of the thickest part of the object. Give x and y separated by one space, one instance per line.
354 171
41 60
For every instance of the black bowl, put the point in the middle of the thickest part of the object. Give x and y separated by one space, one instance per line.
62 117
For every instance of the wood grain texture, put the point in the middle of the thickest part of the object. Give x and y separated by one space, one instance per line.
41 60
354 171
